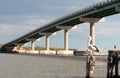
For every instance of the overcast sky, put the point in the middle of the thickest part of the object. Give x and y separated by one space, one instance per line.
18 17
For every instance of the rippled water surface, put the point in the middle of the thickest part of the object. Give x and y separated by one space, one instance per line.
44 66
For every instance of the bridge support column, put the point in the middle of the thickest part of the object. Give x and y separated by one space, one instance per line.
92 32
47 39
92 22
66 39
32 45
90 62
47 51
47 42
19 47
66 50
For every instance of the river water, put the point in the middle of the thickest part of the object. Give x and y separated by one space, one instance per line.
45 66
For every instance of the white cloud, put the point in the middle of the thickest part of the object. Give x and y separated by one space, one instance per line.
72 8
11 31
18 26
5 28
99 0
26 20
37 21
108 28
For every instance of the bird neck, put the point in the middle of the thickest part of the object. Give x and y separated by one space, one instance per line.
88 42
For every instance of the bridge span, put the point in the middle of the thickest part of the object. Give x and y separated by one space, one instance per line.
92 14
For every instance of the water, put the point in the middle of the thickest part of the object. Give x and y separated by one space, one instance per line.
44 66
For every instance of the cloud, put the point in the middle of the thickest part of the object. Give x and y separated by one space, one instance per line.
108 28
70 8
5 28
14 27
24 20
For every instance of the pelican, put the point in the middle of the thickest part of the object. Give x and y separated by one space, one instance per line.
91 47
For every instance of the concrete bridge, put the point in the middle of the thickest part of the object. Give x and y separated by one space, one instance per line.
92 14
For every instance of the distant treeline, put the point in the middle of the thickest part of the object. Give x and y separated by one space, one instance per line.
41 48
38 48
0 45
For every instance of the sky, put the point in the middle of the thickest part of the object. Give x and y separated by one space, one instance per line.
18 17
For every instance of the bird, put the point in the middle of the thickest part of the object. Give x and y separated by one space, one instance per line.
91 47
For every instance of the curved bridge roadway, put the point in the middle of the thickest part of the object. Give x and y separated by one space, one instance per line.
91 14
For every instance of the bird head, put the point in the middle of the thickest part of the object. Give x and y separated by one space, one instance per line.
90 38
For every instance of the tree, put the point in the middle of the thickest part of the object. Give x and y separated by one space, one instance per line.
0 46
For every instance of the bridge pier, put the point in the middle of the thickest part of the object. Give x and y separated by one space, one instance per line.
32 45
47 42
92 22
66 39
47 51
90 62
19 47
66 50
92 32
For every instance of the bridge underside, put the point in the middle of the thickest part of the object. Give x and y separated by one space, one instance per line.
99 10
